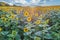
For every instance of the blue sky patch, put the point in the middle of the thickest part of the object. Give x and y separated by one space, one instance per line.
32 2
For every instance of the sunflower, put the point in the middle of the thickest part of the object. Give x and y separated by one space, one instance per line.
0 29
26 30
36 14
37 38
3 15
12 16
26 14
38 22
11 12
4 19
29 19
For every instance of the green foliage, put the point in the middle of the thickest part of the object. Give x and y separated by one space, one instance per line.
15 26
54 24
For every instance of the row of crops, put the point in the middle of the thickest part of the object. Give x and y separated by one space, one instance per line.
28 26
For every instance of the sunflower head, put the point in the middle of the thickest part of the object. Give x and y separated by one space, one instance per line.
29 19
4 19
12 16
26 30
26 14
3 15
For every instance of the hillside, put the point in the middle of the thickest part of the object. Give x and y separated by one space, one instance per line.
4 4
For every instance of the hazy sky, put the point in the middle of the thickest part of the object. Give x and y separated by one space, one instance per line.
32 2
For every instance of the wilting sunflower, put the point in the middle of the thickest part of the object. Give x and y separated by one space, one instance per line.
3 15
36 14
29 19
37 38
0 29
38 22
17 18
26 30
26 14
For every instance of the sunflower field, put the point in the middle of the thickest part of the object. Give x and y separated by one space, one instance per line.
27 26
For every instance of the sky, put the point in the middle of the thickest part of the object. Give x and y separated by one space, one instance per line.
32 2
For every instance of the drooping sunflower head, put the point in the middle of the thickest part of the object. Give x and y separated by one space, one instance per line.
17 19
37 38
0 29
37 22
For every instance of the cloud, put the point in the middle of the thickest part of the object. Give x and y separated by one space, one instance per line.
11 4
44 1
35 1
27 2
32 2
21 1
